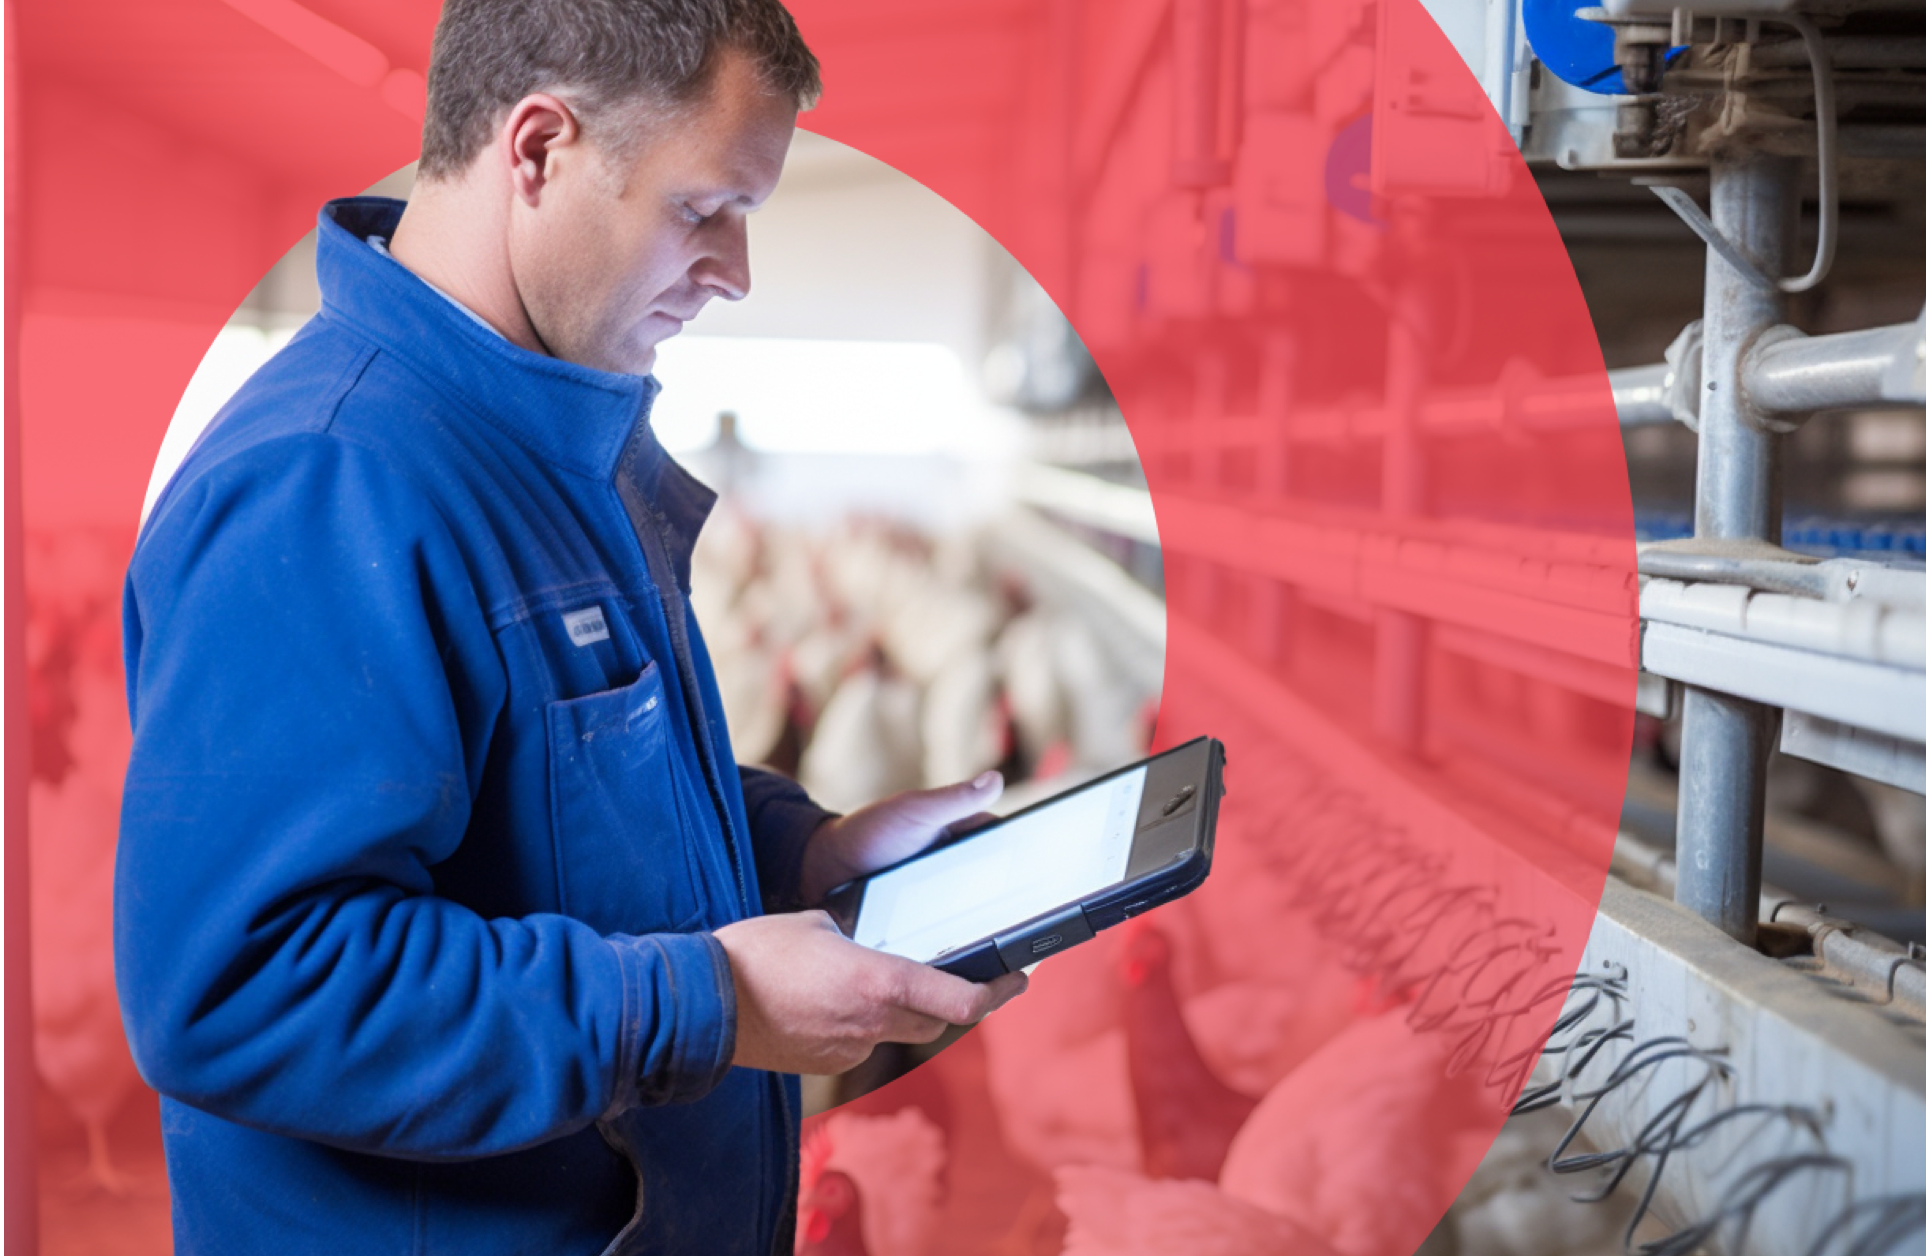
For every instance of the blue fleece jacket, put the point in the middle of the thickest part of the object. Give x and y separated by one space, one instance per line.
432 812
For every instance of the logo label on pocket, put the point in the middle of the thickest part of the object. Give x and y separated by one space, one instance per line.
586 626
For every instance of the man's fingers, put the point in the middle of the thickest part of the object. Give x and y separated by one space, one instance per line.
914 1027
943 807
954 1000
1008 987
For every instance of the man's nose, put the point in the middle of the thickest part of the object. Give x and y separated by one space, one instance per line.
725 270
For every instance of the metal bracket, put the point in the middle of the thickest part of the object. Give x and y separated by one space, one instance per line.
1826 119
1686 208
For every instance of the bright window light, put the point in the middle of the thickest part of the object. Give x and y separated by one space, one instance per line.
825 396
789 396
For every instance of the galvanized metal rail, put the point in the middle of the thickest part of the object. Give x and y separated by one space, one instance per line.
1785 1097
1785 374
1753 1104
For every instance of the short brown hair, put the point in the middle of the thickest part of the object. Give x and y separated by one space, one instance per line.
596 54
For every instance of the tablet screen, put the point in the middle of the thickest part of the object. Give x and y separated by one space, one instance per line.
1039 861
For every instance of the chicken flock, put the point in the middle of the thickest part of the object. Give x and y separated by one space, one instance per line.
1184 1092
1213 1079
81 740
868 658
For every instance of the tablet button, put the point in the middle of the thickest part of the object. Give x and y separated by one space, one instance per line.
1056 932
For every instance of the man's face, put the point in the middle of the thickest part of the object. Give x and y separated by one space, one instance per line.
623 249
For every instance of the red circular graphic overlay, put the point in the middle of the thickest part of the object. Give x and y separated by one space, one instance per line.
1389 488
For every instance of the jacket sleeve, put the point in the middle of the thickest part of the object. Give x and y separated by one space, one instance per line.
313 681
781 821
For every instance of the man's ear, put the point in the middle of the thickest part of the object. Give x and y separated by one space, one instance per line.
539 130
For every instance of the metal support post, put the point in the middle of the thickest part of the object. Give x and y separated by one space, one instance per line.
1397 688
1273 613
1726 740
1722 775
1207 575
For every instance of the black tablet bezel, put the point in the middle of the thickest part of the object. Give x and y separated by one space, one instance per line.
1170 856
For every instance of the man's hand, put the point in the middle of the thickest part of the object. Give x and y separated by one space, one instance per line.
808 1000
893 829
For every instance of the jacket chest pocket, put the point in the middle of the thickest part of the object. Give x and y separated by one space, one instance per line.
623 861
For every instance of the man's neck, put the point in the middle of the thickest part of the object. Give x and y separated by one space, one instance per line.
454 236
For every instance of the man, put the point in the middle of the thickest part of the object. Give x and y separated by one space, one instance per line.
440 902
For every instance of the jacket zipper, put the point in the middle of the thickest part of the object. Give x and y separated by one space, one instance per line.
674 610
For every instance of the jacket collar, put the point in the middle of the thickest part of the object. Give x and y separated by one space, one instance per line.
586 420
570 415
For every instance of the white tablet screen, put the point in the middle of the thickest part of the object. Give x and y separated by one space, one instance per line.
983 885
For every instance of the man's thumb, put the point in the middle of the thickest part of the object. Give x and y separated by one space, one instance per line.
948 803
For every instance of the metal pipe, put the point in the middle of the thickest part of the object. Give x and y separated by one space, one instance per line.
1850 52
1639 392
1740 485
1197 47
1881 140
1272 617
1796 374
1400 645
1826 116
1725 740
1722 773
1765 575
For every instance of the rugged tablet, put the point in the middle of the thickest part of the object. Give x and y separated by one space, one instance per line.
1050 876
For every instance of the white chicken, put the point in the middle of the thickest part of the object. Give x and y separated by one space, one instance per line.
1340 1153
1899 816
1038 706
1118 1213
1058 1073
724 560
965 729
821 658
896 1162
1261 990
756 699
866 570
793 598
937 627
789 616
867 743
80 1047
1102 710
1514 1206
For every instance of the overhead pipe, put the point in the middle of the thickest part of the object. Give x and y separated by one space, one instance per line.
1789 373
1197 51
1785 375
1643 395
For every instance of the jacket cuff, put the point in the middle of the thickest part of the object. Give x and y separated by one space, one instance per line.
782 819
678 1018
